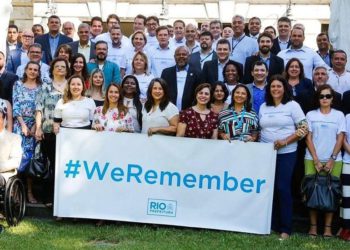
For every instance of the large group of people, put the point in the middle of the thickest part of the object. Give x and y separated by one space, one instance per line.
208 82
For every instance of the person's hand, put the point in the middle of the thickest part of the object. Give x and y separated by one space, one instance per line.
25 130
39 135
279 144
98 127
329 166
248 138
151 131
301 132
318 166
121 129
56 128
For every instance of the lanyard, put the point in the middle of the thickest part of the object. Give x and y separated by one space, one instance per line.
233 47
202 60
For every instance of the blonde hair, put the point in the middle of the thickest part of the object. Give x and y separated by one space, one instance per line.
92 88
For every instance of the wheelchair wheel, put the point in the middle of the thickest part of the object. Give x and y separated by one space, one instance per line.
15 201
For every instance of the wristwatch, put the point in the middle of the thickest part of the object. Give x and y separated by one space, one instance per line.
334 157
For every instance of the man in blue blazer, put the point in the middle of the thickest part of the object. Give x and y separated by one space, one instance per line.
7 80
182 79
84 45
53 39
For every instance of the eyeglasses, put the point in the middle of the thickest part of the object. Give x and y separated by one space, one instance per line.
327 96
26 36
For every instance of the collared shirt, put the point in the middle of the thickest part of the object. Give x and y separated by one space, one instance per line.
326 58
195 48
12 46
85 50
283 44
308 57
24 56
242 47
221 69
266 60
174 43
161 59
53 40
340 83
215 42
205 57
258 97
254 36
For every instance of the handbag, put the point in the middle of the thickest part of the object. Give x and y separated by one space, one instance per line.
39 167
321 192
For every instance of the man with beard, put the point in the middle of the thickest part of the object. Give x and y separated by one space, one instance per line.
182 79
308 57
110 70
206 52
7 80
274 64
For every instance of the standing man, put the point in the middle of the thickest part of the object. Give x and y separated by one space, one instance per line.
7 80
206 52
190 35
179 34
339 77
96 27
152 23
274 63
11 41
20 56
324 50
254 26
68 29
163 55
242 46
258 86
213 70
139 23
282 42
50 41
215 28
182 79
84 45
308 57
110 70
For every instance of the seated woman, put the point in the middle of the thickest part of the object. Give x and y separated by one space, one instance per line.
131 99
10 145
74 110
199 121
324 142
113 115
95 90
159 115
219 94
239 121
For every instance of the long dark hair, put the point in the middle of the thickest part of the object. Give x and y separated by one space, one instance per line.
84 71
287 95
121 107
247 103
165 100
318 93
301 75
224 88
136 97
25 77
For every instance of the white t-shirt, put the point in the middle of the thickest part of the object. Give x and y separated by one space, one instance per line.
144 80
346 158
324 129
75 114
277 123
158 118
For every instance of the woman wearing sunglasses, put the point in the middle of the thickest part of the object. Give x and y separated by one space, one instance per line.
324 142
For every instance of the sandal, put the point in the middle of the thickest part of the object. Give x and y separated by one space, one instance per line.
313 235
327 236
31 198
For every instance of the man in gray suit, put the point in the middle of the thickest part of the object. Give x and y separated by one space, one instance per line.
10 146
84 45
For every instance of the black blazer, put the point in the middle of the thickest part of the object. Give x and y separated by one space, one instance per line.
75 46
195 60
330 57
192 81
345 102
276 46
43 40
276 67
210 72
18 46
7 80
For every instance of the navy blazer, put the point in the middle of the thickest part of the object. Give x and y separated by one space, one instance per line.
210 72
43 40
276 46
14 60
195 60
75 45
18 45
276 67
192 81
7 80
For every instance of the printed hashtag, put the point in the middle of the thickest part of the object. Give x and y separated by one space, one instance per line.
72 169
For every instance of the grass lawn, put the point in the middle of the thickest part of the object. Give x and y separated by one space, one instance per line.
48 234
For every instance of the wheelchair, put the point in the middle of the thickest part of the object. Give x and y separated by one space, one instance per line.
12 198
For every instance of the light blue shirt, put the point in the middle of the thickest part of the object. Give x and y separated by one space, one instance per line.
161 59
242 47
53 40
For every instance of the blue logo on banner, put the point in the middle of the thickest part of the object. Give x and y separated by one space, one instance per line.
161 207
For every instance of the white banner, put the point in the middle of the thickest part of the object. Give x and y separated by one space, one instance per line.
164 180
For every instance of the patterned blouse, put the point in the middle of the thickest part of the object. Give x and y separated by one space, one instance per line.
238 125
112 120
196 127
45 103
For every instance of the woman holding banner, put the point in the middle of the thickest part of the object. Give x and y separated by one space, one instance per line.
239 121
279 116
199 121
159 115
